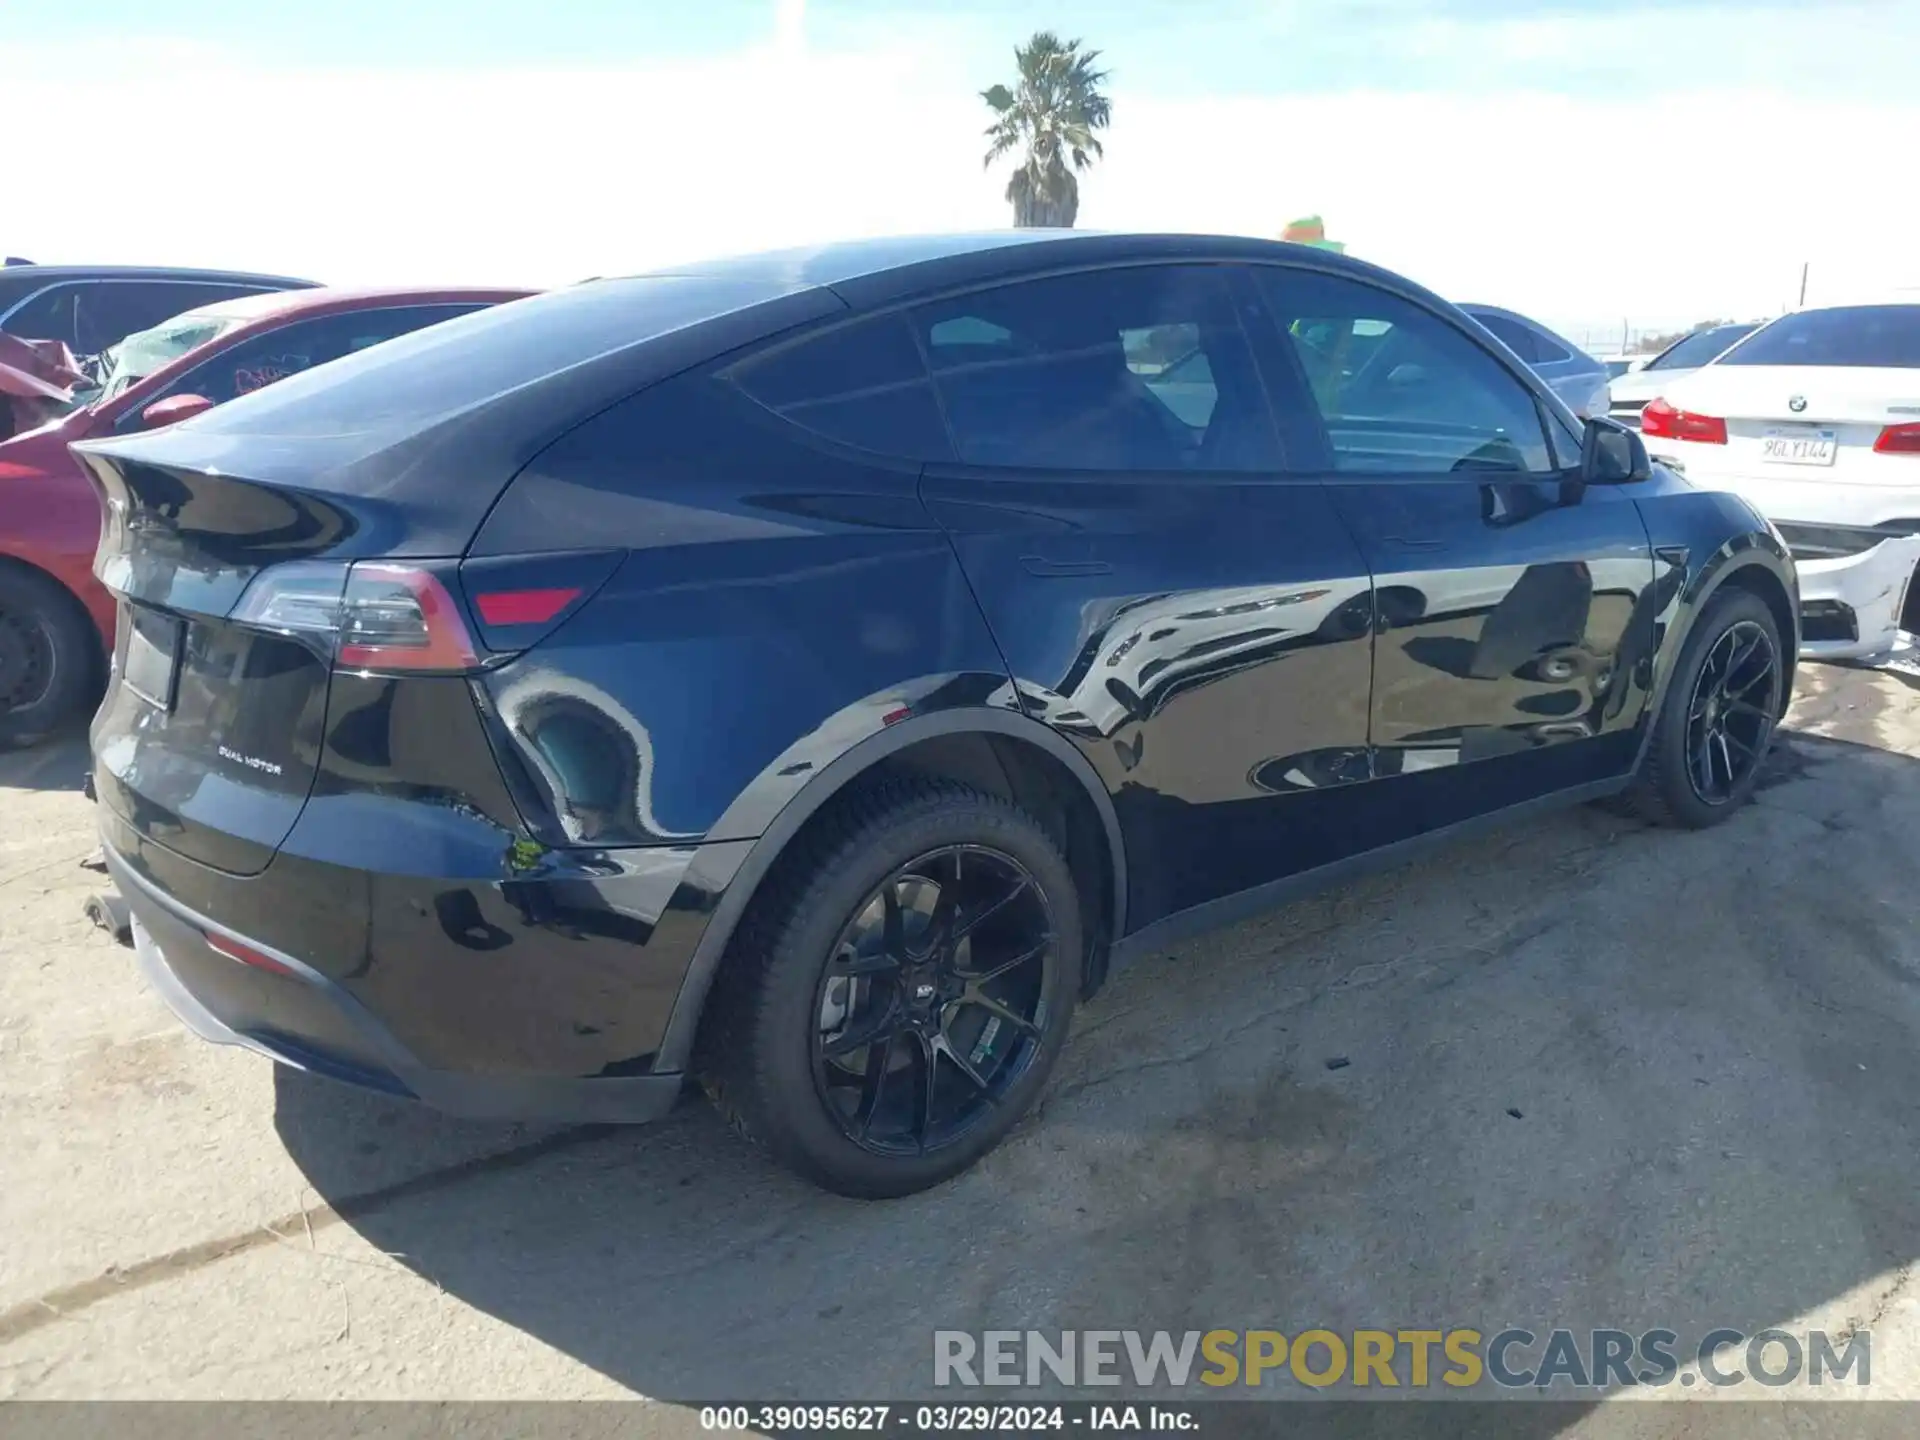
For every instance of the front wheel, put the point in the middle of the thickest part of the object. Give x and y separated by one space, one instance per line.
894 1005
1717 719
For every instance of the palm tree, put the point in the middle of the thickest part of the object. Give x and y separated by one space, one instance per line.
1052 114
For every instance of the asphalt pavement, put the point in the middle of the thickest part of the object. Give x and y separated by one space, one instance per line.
1595 1075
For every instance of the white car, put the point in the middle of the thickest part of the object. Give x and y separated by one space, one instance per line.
1644 380
1815 420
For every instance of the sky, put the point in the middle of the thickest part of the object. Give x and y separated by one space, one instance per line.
1594 163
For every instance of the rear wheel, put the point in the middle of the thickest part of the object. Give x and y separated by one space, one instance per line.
46 656
1716 722
895 1004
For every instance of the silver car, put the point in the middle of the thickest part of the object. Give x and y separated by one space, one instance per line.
1575 376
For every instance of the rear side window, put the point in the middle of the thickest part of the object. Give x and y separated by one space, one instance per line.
862 384
265 359
1400 390
1699 348
1529 344
1144 368
1874 336
48 315
95 315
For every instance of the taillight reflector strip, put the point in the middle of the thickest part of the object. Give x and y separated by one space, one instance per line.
524 607
236 950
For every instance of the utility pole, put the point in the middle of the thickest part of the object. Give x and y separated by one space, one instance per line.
1803 284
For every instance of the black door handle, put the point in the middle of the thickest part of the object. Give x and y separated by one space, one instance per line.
1404 542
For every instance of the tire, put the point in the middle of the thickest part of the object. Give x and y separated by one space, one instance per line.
762 1055
47 656
1667 789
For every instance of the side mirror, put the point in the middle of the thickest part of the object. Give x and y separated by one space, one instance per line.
1611 454
172 410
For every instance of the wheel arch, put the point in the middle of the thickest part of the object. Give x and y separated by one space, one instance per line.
1753 562
1759 579
997 750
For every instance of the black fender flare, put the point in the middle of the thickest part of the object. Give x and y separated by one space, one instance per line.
683 1024
1755 551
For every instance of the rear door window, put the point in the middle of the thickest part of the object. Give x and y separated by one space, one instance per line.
94 315
46 316
863 384
1532 346
1871 336
1517 338
1144 368
1399 389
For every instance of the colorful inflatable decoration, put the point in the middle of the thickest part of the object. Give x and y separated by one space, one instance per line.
1312 230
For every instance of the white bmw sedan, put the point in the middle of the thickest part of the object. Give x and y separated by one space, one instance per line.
1815 420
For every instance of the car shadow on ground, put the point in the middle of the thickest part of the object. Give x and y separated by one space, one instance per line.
59 762
1595 1075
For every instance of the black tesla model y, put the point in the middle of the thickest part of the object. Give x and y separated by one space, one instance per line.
814 673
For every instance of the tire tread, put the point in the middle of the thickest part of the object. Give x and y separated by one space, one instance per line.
729 1063
1656 793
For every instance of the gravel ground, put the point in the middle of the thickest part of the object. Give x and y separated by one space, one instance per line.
1598 1075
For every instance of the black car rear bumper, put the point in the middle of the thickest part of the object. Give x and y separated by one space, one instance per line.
299 1017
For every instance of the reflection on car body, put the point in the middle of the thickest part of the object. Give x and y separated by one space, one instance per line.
852 656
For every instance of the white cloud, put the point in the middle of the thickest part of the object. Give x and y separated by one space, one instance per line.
1579 211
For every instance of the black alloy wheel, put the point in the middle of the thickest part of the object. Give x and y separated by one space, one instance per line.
1716 718
899 990
1729 721
934 1001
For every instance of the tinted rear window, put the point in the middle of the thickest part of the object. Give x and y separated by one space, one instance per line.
1876 336
444 369
1697 350
1529 344
1141 368
862 384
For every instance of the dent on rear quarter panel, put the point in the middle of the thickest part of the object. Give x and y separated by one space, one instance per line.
779 603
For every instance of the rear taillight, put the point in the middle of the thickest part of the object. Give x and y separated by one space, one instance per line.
367 616
1898 440
1662 421
396 617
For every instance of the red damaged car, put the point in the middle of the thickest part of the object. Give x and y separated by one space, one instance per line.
56 620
